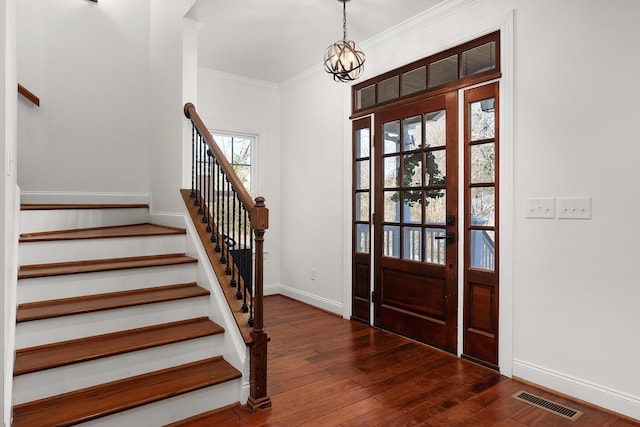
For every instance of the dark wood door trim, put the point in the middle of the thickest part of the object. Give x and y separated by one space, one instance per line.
481 285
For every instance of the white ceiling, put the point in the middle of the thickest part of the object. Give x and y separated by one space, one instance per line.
274 40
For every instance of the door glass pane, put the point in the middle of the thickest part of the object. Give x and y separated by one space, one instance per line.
412 170
412 243
434 248
391 241
362 206
435 167
362 175
362 143
483 249
363 238
391 206
483 162
443 71
436 207
412 202
435 129
412 136
391 137
391 172
483 120
479 59
483 206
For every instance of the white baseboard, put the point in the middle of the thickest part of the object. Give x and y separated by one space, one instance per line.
314 300
83 198
593 393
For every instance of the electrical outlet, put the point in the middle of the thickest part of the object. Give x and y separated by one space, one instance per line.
574 207
313 274
541 208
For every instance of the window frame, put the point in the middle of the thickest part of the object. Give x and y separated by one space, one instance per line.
252 153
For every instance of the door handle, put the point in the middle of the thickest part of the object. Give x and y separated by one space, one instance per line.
450 237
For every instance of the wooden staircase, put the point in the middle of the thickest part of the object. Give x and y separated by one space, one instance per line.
112 327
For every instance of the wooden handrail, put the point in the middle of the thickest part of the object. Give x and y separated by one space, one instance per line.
243 194
259 222
28 94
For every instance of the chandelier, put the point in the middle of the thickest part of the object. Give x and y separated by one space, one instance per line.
344 59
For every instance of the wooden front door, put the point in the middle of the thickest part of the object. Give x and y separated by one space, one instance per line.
416 220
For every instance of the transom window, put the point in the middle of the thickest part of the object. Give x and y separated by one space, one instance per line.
456 67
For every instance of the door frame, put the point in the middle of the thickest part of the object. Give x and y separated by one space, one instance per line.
506 24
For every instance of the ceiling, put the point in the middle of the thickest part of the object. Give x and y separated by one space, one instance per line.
274 40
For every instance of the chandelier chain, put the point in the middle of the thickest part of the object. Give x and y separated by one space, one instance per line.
344 20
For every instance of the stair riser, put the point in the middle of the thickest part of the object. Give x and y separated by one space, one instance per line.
73 285
68 219
88 249
63 379
175 408
46 331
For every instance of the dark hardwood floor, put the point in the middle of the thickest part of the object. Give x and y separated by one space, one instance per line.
327 371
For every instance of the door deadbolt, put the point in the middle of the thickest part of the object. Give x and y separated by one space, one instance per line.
451 219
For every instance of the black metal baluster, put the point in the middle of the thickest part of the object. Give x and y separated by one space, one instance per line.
201 158
239 249
207 206
249 288
245 260
234 252
220 211
196 198
194 132
214 216
223 221
206 185
228 237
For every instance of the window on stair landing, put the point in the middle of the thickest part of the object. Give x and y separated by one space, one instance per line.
238 149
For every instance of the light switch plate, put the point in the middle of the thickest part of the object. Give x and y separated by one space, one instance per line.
574 207
541 208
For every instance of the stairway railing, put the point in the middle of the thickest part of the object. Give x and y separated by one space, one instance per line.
236 225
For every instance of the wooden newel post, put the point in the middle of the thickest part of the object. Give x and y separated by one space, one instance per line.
258 398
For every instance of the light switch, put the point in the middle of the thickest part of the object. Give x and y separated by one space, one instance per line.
574 207
541 208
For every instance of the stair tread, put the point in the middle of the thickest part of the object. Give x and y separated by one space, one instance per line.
132 230
56 206
90 266
43 357
93 402
90 303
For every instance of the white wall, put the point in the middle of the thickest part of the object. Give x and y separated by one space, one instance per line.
89 64
313 182
574 284
8 197
232 104
166 117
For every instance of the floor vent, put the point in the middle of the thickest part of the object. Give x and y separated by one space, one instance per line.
556 408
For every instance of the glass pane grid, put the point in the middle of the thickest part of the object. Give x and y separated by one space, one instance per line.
414 81
389 89
362 238
479 59
443 71
482 120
